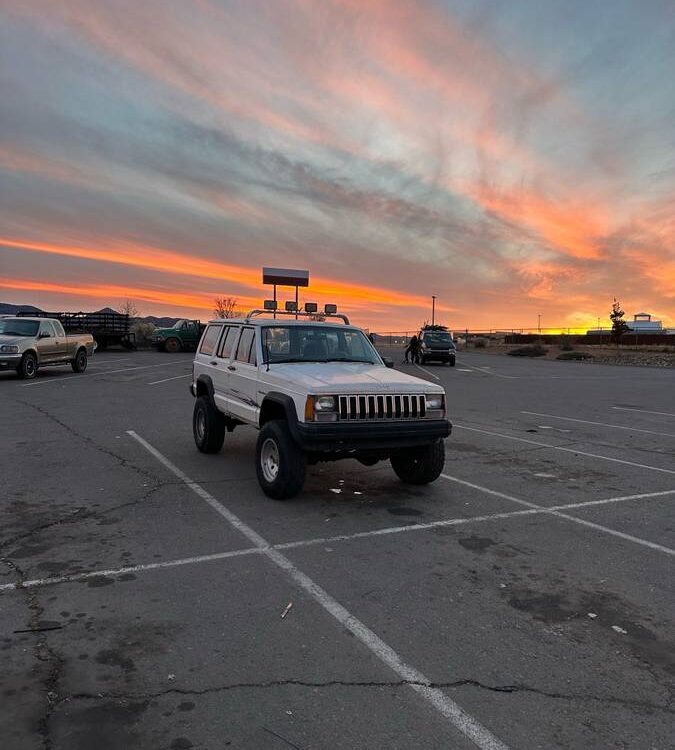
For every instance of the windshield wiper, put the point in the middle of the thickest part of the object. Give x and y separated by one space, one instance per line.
289 359
349 359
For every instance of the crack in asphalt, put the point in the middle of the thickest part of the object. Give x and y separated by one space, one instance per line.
120 460
43 653
80 514
508 689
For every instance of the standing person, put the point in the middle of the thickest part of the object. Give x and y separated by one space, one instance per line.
412 349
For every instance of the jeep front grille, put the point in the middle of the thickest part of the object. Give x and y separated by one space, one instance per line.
359 408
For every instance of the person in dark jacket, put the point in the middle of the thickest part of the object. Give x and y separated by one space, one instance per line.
413 349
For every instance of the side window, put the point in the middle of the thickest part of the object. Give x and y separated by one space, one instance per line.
46 327
58 328
246 344
209 339
227 342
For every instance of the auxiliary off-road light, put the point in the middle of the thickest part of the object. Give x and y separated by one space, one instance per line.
291 306
311 307
330 309
270 304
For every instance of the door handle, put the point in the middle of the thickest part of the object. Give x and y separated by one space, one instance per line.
231 367
213 362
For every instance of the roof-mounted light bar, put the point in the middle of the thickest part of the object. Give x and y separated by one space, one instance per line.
300 314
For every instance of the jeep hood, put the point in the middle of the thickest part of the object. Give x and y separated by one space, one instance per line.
353 377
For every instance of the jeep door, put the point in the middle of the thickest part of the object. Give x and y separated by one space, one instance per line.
209 364
221 375
244 377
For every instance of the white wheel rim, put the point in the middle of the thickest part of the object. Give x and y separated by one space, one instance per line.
269 460
201 424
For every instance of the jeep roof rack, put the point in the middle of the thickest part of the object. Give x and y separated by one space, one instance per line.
298 314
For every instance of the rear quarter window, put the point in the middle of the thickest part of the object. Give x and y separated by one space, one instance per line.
209 339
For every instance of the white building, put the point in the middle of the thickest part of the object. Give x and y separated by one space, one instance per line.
643 323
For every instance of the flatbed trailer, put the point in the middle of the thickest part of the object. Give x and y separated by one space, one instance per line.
107 328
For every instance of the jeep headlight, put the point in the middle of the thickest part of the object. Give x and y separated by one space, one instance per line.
321 409
9 349
324 403
434 403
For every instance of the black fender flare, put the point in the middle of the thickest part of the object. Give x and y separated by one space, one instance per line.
288 405
204 382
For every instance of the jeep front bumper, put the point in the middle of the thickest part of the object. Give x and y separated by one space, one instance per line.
368 436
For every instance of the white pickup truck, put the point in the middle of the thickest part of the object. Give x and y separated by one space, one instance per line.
317 391
29 343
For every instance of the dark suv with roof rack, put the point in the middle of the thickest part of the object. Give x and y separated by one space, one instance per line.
436 345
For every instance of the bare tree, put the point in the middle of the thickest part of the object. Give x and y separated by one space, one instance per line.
225 307
129 308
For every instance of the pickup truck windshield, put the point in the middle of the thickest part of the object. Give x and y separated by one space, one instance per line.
316 343
18 327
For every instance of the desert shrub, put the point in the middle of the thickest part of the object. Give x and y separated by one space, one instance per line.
534 350
566 343
480 343
574 355
143 330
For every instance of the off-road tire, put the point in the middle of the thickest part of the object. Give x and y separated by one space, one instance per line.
79 364
420 465
289 477
451 361
208 426
173 345
28 366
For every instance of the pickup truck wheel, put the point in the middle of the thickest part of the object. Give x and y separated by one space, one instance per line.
172 345
420 466
28 367
208 426
280 464
79 364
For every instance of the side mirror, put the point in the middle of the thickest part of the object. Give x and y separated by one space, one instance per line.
388 361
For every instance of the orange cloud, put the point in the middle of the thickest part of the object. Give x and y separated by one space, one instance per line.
166 261
568 226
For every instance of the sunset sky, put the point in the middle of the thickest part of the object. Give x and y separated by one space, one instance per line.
513 158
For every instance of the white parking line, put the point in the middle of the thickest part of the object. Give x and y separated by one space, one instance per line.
428 372
486 370
128 569
105 372
166 380
601 424
566 450
417 681
644 411
317 541
574 519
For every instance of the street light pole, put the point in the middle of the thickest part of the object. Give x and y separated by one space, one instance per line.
539 323
433 309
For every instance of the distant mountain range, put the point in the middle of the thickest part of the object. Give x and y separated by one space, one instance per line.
8 309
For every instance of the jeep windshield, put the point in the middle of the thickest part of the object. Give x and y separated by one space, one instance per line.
18 327
316 343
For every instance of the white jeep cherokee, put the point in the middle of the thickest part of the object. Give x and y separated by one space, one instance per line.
317 391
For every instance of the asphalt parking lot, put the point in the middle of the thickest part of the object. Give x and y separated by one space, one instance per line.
524 600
